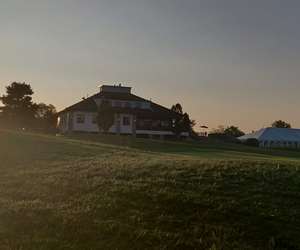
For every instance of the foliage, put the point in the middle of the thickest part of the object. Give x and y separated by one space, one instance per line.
281 124
182 122
18 107
177 108
228 134
219 130
106 116
218 137
233 131
46 116
60 193
20 111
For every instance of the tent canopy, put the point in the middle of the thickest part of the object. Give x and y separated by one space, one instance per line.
274 134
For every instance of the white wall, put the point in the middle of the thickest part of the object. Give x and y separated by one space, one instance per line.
123 128
88 125
62 122
279 144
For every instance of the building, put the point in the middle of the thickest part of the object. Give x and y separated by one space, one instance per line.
275 137
133 115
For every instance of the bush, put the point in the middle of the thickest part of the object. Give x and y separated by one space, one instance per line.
223 138
252 142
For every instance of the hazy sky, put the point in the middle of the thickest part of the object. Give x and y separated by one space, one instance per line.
227 61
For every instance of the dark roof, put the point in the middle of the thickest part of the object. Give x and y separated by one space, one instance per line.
89 105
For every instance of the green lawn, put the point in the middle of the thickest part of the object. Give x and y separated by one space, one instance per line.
109 192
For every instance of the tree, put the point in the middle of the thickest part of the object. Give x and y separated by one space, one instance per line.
233 131
46 116
281 124
219 130
177 108
106 116
18 106
182 122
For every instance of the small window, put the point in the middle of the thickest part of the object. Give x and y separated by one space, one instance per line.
80 118
165 124
94 119
126 121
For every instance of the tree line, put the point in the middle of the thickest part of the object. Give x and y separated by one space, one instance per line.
20 112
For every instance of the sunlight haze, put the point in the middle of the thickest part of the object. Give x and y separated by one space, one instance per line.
233 62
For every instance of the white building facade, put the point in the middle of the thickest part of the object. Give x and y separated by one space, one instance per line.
133 115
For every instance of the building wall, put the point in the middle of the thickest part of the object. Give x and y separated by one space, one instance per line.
71 122
88 125
86 122
62 122
279 144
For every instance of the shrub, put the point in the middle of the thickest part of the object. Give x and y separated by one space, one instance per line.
223 138
252 142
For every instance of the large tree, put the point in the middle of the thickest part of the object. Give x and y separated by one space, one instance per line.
177 108
219 130
106 116
281 124
182 122
18 106
46 116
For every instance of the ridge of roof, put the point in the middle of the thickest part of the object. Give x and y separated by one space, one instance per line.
88 104
270 133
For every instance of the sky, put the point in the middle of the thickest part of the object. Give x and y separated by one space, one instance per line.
233 62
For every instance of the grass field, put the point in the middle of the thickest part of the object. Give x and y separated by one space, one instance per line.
109 192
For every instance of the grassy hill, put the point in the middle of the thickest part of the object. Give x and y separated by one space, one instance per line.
107 192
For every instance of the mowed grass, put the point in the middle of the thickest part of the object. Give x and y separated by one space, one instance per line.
104 192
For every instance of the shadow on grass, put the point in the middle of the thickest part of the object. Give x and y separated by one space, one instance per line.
202 148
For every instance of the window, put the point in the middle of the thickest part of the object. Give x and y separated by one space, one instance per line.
94 119
80 118
165 124
126 121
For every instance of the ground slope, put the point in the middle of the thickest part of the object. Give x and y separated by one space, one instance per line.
62 193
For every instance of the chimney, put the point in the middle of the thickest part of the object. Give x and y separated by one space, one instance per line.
115 89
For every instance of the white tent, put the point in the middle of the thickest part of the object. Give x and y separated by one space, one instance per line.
275 137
